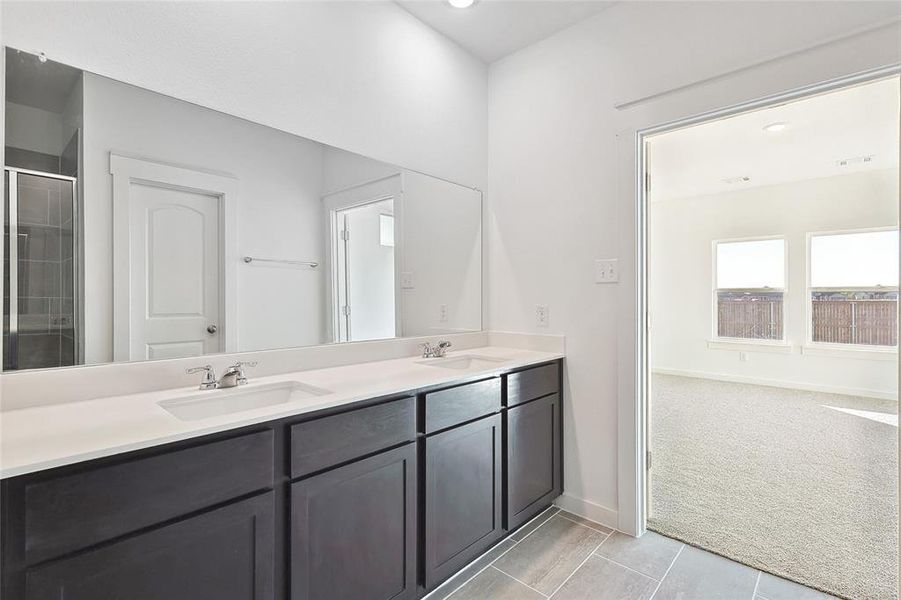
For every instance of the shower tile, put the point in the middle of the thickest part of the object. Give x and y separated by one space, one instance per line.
34 205
39 351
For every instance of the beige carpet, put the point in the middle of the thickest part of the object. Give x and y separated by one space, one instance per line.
799 484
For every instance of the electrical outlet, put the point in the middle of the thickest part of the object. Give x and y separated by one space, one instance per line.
606 270
541 315
442 313
743 356
406 280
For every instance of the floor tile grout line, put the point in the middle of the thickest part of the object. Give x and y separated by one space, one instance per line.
515 543
581 564
609 532
519 581
618 564
756 585
675 558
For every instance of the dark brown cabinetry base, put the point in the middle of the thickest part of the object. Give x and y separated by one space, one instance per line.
380 500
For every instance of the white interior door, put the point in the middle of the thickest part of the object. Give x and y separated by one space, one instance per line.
174 265
174 260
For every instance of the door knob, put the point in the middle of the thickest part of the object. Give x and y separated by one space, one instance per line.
212 329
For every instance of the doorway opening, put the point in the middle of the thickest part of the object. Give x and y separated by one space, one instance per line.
771 342
364 271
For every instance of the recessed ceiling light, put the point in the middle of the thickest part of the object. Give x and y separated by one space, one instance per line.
775 127
461 3
739 179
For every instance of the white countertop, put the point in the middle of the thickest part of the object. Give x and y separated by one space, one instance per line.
43 437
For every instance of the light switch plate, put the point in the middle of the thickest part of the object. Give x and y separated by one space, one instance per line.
606 270
442 313
406 280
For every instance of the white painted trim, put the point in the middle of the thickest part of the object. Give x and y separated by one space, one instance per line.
749 346
587 509
125 170
790 385
851 351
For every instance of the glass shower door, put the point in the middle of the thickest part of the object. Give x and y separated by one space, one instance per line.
38 270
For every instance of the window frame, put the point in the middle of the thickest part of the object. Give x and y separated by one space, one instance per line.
714 303
828 347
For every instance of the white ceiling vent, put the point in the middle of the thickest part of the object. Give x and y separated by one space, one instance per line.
734 180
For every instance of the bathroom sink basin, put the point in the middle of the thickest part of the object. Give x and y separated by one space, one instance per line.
466 361
215 403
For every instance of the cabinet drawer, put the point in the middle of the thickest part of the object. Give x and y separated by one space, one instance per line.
78 510
328 441
446 408
530 384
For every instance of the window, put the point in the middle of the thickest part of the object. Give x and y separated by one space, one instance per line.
854 288
750 286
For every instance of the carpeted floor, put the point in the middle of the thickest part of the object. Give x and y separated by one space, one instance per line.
800 484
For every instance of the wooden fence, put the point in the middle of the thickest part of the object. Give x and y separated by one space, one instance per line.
749 318
873 322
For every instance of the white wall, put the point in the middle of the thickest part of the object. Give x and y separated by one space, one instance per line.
440 240
365 76
279 209
562 172
442 243
34 129
682 232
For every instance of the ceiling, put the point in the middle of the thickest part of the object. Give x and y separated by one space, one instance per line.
820 131
492 29
32 83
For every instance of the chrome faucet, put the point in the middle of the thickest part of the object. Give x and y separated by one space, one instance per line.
436 351
234 375
209 377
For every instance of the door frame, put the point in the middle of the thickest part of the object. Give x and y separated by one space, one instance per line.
125 171
634 499
361 194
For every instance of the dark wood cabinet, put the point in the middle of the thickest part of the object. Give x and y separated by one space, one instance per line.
533 458
353 530
380 500
224 554
462 496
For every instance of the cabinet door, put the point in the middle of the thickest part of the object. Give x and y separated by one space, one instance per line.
224 554
353 530
533 458
462 496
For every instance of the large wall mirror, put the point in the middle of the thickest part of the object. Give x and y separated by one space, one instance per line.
137 226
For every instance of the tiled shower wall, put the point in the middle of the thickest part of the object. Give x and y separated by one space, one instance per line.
46 273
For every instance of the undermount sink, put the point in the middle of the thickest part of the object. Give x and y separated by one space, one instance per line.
466 361
215 403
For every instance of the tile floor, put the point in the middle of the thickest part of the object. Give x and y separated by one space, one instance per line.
565 557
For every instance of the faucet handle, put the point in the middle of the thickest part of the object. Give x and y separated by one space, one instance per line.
239 368
209 377
427 349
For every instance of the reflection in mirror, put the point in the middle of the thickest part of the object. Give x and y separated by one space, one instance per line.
147 227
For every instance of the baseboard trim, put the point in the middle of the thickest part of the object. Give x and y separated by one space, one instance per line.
792 385
589 510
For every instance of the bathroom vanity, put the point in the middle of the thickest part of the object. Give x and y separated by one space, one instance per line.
373 498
